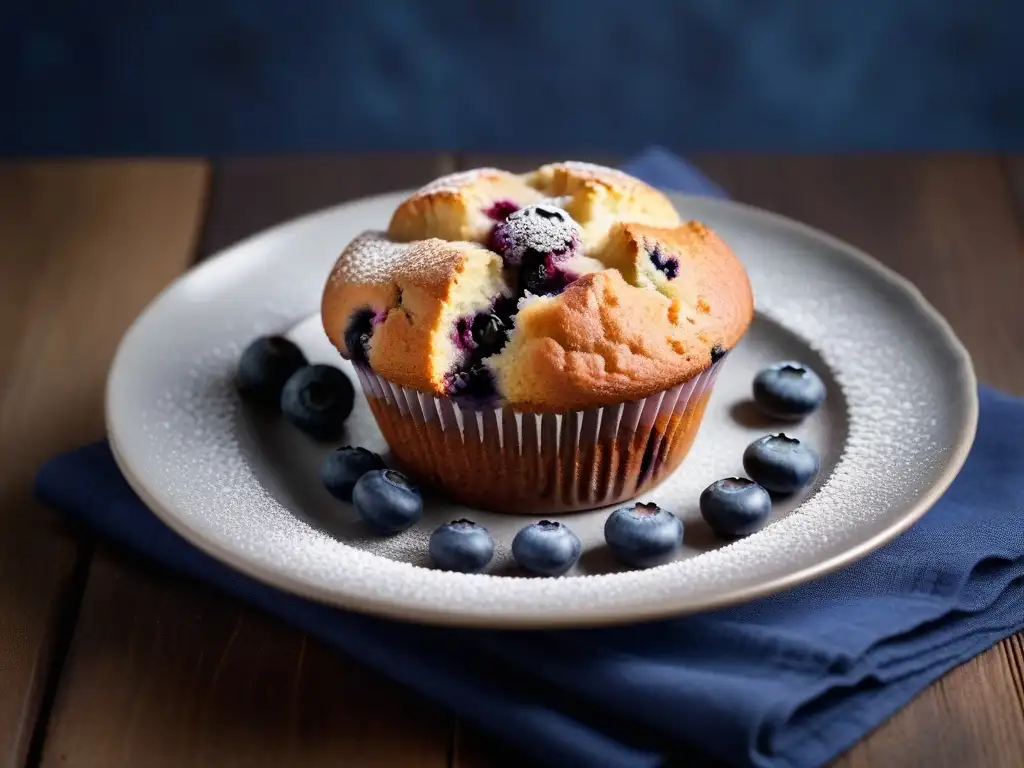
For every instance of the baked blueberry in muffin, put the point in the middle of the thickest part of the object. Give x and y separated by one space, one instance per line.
557 293
541 231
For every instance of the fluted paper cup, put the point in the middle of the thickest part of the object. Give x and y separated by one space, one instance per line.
510 461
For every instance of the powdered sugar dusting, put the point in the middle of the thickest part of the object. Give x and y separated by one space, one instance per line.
370 258
373 259
541 228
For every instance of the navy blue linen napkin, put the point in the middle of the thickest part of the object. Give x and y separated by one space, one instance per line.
789 680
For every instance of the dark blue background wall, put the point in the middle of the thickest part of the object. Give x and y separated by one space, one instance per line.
227 76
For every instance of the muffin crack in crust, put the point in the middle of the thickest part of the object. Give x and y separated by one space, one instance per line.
569 287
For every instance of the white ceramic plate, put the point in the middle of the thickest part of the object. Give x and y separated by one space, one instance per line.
896 427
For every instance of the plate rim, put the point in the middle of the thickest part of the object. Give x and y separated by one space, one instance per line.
964 374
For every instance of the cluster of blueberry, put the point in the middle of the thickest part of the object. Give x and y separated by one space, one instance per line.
317 399
389 503
778 464
641 535
534 242
479 336
386 501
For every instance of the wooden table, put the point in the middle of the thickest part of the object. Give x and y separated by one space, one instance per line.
106 661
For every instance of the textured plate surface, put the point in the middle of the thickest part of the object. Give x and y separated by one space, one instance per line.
896 427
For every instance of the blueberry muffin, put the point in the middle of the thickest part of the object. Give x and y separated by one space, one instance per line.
540 342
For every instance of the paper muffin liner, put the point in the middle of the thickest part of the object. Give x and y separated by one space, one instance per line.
511 461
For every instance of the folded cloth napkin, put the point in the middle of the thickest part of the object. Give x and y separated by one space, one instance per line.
789 680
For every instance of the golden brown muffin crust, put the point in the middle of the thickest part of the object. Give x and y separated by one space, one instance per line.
407 288
455 207
599 197
653 299
604 341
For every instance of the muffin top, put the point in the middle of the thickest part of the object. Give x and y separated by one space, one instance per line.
568 287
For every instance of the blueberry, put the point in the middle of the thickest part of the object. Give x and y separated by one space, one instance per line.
541 228
462 336
343 467
490 333
781 464
317 399
473 384
547 548
643 535
387 501
462 546
481 335
534 275
788 391
735 506
505 309
266 364
667 265
540 276
357 335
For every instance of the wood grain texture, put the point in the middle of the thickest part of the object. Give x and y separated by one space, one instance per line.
1013 651
1013 168
166 673
85 246
953 225
251 194
970 717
